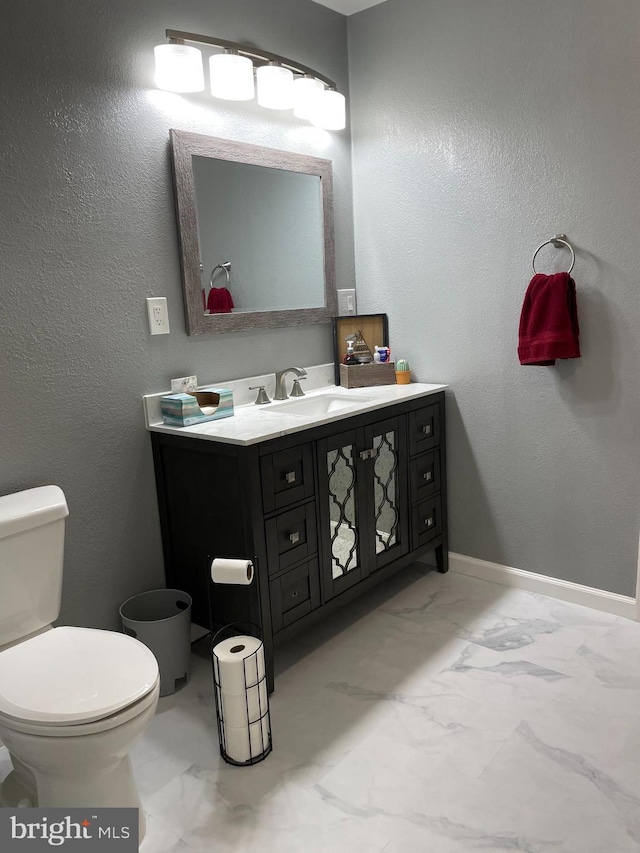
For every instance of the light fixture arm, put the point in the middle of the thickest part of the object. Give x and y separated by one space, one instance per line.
259 56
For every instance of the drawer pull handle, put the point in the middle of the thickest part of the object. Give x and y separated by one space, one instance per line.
294 537
427 476
294 595
429 521
290 477
427 429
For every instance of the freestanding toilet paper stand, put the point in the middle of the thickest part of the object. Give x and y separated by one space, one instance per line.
241 695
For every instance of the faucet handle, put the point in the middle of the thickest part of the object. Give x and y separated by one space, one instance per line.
297 391
262 397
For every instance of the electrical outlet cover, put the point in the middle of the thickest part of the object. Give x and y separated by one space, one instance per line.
184 385
158 316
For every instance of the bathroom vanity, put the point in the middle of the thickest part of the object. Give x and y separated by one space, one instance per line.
328 494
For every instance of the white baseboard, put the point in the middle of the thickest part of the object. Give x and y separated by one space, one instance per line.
598 599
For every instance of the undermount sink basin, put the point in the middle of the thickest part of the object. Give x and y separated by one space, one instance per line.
321 404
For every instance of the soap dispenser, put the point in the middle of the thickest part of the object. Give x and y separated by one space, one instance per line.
350 357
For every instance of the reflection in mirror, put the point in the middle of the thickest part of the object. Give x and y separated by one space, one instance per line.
385 490
255 229
267 224
342 511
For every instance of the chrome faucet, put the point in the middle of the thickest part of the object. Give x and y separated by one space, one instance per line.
281 385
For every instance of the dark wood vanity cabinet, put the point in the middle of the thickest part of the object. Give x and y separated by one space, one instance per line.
325 513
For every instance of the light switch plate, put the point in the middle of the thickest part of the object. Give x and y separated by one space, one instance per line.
346 302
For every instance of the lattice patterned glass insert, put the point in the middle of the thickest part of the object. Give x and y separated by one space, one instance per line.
342 510
386 490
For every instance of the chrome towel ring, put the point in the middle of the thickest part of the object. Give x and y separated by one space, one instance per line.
226 266
558 241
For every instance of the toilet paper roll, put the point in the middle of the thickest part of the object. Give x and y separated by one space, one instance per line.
240 709
232 571
248 742
238 663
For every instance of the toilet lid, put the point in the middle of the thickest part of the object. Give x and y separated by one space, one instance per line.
74 675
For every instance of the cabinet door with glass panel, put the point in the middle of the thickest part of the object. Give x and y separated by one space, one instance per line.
363 517
386 487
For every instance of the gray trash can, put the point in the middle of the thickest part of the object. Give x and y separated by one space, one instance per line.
161 619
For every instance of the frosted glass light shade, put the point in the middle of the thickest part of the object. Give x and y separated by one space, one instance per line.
275 87
330 111
305 91
231 77
179 68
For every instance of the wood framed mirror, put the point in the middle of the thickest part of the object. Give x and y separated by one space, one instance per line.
258 223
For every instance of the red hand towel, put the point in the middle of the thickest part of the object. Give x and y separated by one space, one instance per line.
219 301
549 320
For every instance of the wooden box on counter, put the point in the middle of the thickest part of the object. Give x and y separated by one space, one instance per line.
367 375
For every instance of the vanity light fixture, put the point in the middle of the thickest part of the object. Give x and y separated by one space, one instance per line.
231 76
306 90
281 83
179 68
275 86
330 112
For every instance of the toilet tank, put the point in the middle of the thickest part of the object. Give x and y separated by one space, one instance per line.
31 559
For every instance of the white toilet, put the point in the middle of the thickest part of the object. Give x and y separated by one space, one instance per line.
72 700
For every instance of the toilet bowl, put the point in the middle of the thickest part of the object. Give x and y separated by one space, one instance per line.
72 700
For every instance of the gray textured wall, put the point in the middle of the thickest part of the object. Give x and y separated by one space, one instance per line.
87 231
481 129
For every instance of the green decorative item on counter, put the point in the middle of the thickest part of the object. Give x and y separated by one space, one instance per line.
403 374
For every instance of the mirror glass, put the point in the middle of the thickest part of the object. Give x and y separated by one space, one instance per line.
255 230
343 511
267 225
386 489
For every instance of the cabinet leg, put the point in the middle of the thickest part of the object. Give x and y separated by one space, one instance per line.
442 559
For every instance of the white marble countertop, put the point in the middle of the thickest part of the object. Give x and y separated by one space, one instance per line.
251 424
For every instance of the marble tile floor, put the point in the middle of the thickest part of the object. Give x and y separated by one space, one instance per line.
439 713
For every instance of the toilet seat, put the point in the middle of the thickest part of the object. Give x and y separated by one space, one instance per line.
70 677
83 729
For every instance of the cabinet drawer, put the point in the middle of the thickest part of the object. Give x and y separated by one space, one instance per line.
424 473
291 537
294 594
424 429
287 477
426 518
